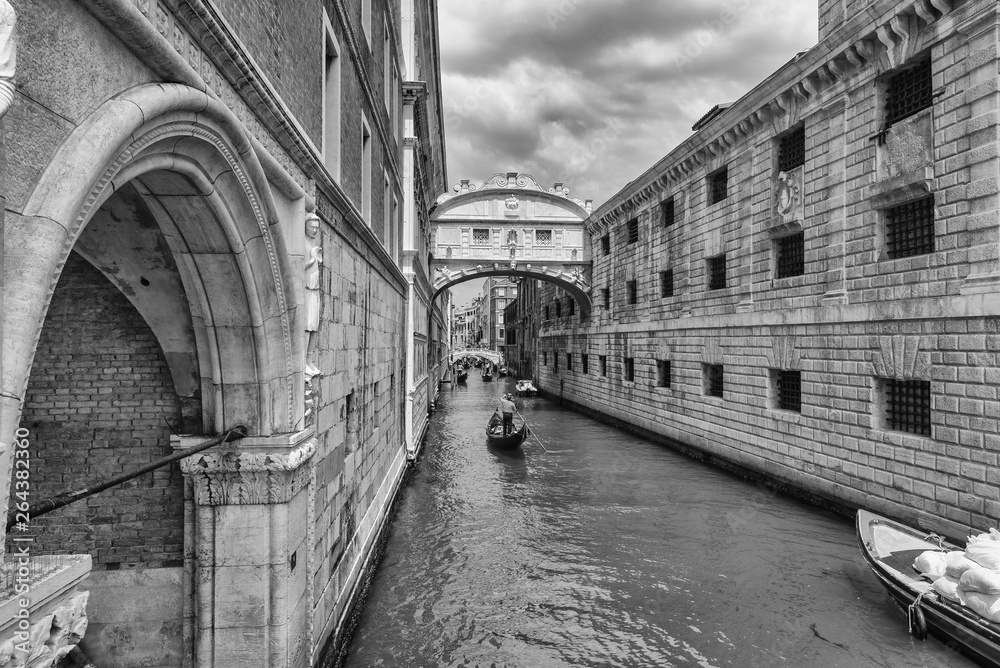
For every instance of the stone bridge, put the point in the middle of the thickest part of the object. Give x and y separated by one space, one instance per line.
512 226
491 355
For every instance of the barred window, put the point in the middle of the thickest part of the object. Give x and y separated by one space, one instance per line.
572 306
558 309
791 255
555 362
584 359
545 358
632 231
569 361
908 405
667 212
908 91
792 150
663 373
607 297
602 361
632 290
629 370
714 380
606 244
480 237
717 272
718 185
546 311
788 389
909 228
543 237
667 283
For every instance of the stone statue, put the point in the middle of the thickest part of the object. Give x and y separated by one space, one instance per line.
314 258
8 56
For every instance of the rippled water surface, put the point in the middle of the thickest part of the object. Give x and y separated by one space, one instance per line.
611 551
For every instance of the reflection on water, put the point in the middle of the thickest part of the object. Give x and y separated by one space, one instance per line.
611 551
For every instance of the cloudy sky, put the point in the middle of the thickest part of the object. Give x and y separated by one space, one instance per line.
593 92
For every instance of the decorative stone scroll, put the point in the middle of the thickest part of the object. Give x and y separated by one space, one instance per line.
259 470
49 638
788 198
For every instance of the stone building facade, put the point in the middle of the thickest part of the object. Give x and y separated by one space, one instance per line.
806 288
216 215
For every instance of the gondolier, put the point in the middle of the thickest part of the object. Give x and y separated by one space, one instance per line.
507 409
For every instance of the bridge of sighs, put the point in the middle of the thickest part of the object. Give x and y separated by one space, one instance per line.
512 226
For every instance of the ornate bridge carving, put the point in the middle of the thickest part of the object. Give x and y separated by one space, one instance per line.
512 226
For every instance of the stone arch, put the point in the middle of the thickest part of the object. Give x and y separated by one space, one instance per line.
574 284
191 159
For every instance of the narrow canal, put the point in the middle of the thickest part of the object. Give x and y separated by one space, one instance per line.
612 551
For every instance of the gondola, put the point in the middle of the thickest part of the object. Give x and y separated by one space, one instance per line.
495 437
524 388
890 548
462 376
502 372
487 377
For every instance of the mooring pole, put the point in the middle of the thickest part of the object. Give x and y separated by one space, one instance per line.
48 505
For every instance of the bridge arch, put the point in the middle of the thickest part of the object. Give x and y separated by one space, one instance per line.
575 284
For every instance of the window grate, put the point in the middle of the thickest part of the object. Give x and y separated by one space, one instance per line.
909 228
606 244
545 358
572 306
667 212
555 362
584 359
667 283
558 309
607 297
543 237
480 237
717 272
663 373
718 185
602 361
629 371
908 406
569 361
632 231
632 288
908 92
789 386
791 255
714 380
792 150
546 311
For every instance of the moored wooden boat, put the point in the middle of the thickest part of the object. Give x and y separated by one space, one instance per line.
487 377
524 388
462 376
495 437
890 548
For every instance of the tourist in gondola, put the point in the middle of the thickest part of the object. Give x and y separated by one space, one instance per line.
506 409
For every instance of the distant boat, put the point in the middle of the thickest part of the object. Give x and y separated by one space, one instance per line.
502 371
487 377
890 548
524 388
495 437
462 376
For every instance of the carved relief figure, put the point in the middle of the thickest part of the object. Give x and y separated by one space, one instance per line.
8 56
314 258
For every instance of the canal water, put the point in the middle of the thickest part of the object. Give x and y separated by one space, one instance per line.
612 551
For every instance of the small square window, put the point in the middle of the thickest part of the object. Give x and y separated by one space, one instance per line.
714 380
791 255
909 228
717 272
480 237
667 212
569 361
907 405
632 231
632 289
607 297
909 91
629 370
602 361
792 150
718 185
663 373
543 237
667 283
606 244
584 359
787 388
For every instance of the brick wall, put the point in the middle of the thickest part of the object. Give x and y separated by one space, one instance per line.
98 403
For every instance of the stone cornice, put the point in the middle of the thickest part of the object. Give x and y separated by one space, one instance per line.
889 27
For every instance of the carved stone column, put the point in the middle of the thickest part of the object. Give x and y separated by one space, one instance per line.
247 566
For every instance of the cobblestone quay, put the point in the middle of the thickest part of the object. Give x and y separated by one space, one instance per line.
612 551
